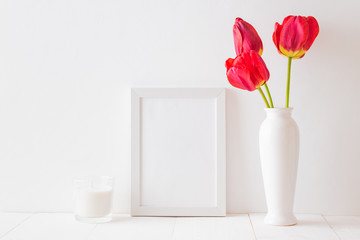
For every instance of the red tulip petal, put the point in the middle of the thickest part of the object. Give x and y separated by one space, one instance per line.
246 38
229 63
240 78
313 32
238 39
261 72
252 41
241 61
301 56
294 34
276 34
247 71
287 19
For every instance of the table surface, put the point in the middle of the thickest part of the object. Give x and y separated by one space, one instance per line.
38 226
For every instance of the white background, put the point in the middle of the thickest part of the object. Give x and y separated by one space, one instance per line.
66 67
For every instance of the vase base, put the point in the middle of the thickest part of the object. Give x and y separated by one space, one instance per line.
277 220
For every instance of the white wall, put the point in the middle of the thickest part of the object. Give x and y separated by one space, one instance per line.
67 66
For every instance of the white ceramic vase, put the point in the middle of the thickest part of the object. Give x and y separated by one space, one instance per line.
279 154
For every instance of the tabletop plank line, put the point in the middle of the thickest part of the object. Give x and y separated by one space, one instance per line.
10 221
59 226
327 222
55 226
252 227
346 227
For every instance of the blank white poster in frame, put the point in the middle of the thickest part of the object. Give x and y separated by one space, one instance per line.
178 152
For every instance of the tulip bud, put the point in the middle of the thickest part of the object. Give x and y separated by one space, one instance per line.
295 35
247 71
246 38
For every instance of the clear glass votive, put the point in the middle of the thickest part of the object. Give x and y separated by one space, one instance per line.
93 198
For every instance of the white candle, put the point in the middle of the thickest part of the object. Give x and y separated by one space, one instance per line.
93 202
93 199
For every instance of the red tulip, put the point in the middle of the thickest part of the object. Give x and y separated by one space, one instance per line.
247 71
295 36
246 38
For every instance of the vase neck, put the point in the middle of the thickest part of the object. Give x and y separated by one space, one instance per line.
278 112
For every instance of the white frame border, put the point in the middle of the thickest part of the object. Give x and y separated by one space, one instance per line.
216 93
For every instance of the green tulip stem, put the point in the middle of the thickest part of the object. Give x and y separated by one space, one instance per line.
288 82
268 92
263 96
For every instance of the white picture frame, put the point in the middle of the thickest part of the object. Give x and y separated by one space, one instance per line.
178 152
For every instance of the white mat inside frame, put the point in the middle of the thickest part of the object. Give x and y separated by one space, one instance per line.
178 152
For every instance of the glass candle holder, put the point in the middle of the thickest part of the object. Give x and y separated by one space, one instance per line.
93 198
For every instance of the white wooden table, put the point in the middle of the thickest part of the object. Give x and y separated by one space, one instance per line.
53 226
